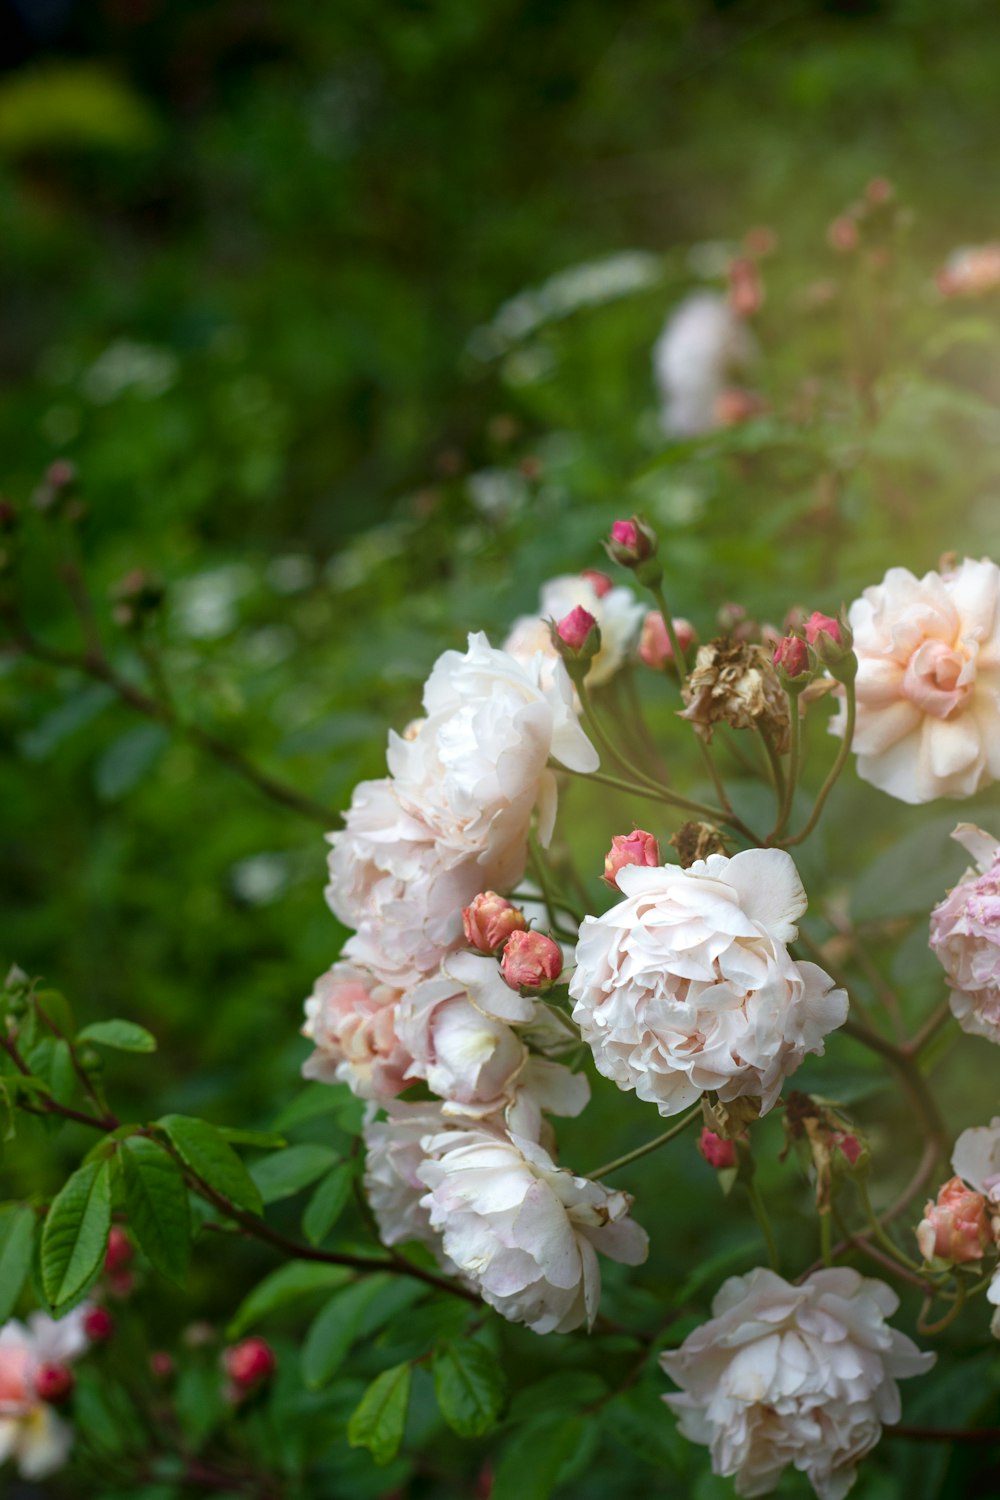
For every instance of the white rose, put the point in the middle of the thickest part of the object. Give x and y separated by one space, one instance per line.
928 683
703 342
30 1431
687 985
524 1230
785 1375
976 1159
618 613
394 1150
351 1018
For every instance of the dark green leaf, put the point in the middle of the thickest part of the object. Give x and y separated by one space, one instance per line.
325 1206
530 1464
379 1420
286 1284
156 1201
76 1233
470 1387
127 759
17 1238
124 1036
334 1330
288 1172
203 1149
261 1140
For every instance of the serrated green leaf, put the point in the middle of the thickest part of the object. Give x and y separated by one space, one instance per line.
76 1233
124 1036
203 1149
333 1331
470 1387
260 1140
288 1172
286 1284
530 1463
311 1103
327 1202
379 1419
156 1202
17 1238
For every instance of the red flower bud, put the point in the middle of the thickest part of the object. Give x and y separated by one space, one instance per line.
849 1145
599 582
792 656
54 1383
818 624
531 961
161 1364
716 1150
843 234
119 1252
635 848
631 543
574 629
489 921
249 1363
98 1324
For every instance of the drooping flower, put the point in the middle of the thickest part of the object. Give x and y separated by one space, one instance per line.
965 936
687 984
351 1019
523 1230
955 1226
34 1365
786 1375
704 341
615 610
928 682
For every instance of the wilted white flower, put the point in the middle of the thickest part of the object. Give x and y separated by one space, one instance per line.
523 1230
687 984
928 683
703 342
351 1018
965 935
30 1430
793 1376
618 613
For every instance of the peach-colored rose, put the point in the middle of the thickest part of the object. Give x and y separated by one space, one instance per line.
489 921
928 683
352 1020
955 1227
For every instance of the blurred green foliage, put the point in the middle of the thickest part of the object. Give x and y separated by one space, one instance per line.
265 276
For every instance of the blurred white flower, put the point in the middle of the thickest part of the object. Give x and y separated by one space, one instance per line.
928 683
30 1431
618 613
687 984
793 1375
523 1230
352 1020
702 344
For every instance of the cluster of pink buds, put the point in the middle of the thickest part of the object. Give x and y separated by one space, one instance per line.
530 961
821 641
247 1366
489 920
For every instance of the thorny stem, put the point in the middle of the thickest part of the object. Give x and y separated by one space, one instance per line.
653 1145
834 772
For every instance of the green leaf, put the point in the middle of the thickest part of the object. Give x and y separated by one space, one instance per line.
261 1140
379 1420
124 1036
310 1103
326 1204
156 1201
470 1387
127 759
289 1171
912 875
530 1464
334 1329
203 1149
17 1238
286 1284
76 1233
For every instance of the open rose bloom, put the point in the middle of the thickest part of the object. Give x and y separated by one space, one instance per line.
31 1432
928 682
793 1376
965 935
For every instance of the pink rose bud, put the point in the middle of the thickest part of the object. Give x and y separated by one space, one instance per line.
654 643
955 1228
599 582
489 921
531 961
54 1383
119 1252
161 1364
626 534
249 1364
746 290
792 656
879 191
98 1324
848 1144
717 1151
843 234
122 1283
635 848
633 544
574 629
734 405
818 625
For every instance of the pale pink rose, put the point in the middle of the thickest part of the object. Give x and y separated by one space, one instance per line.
635 848
523 1230
351 1019
965 936
394 1151
976 1159
489 920
34 1362
928 683
970 272
955 1226
793 1375
687 984
614 609
655 648
531 961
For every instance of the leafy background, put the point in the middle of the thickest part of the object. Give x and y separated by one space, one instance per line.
279 281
